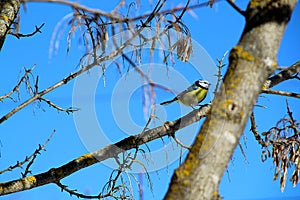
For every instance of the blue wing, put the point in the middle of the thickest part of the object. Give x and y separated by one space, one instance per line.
189 89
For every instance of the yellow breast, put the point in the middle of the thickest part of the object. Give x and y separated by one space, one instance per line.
194 97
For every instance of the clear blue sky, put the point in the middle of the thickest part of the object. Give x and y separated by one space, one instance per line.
217 30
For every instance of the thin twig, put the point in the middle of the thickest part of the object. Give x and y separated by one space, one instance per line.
243 152
183 11
16 88
68 110
294 126
255 131
220 65
79 195
180 143
143 75
27 169
235 7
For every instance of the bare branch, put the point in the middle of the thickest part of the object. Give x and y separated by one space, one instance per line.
68 110
97 61
286 74
119 19
294 125
30 158
37 30
54 175
243 153
282 93
49 89
78 6
77 194
255 131
183 11
63 81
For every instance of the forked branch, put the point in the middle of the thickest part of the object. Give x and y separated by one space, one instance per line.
37 30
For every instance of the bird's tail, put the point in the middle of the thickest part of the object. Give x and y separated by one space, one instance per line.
168 102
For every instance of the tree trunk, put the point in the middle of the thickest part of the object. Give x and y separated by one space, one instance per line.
251 62
8 11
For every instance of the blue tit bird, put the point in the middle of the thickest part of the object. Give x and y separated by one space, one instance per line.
193 95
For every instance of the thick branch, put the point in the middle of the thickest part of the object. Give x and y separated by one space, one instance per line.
56 174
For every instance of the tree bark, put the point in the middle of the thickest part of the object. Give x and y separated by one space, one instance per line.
8 11
251 62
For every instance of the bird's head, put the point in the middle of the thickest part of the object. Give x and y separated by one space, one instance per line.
203 84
